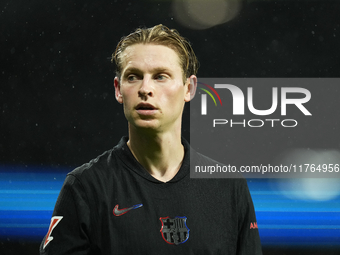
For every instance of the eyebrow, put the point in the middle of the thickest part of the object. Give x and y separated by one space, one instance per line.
131 70
137 70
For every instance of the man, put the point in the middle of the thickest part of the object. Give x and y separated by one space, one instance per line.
138 198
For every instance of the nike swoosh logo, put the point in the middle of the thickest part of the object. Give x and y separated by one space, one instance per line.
119 212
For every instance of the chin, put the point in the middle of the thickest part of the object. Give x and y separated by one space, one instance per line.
146 125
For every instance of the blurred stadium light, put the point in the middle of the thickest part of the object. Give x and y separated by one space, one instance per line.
202 14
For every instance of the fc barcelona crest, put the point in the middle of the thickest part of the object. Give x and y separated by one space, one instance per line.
174 231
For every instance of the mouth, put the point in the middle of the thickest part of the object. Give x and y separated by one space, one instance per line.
145 106
146 109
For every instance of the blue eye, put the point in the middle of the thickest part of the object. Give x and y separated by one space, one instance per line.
160 77
131 77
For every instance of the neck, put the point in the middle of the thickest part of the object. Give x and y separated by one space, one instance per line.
160 154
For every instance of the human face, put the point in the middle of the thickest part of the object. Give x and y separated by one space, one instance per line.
151 87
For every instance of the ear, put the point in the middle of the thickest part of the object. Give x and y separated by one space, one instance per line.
191 85
118 94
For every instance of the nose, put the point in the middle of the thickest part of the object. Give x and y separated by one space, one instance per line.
146 88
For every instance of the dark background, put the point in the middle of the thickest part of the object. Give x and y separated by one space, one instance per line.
57 105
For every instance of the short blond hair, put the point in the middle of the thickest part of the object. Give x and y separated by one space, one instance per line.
160 35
